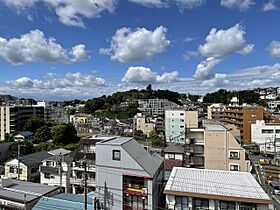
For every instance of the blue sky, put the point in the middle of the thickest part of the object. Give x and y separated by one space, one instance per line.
67 49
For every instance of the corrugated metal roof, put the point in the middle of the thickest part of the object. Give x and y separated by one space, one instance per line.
216 183
63 201
34 158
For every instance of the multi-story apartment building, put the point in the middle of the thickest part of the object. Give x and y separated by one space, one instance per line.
86 153
28 166
13 118
55 171
176 123
213 189
243 117
155 107
215 111
143 124
266 135
128 177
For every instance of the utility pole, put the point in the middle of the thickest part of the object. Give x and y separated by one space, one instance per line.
85 186
60 172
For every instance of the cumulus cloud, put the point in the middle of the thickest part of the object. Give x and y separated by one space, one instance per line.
190 54
241 5
69 85
269 6
219 80
204 69
129 45
34 46
220 44
69 12
274 49
140 74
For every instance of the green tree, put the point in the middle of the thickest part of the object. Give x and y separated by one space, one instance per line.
64 134
33 124
8 137
45 146
42 134
25 148
139 135
155 139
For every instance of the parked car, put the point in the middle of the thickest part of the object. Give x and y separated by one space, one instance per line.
275 187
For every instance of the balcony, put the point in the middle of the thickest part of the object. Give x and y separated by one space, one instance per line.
136 189
233 121
233 116
78 181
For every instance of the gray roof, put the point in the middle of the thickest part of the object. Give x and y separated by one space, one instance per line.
150 163
174 148
213 127
226 184
65 158
16 191
59 151
35 158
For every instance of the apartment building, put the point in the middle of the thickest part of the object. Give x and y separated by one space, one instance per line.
55 171
13 118
86 153
266 135
143 124
155 107
215 111
176 123
213 189
128 177
28 166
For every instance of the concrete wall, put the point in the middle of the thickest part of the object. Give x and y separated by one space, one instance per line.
175 125
191 119
14 163
218 145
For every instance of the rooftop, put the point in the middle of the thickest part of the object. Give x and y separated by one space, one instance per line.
212 184
64 201
174 148
214 127
59 151
17 189
34 158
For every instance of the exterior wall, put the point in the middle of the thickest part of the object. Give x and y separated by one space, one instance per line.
14 163
213 204
218 145
143 126
266 140
4 122
175 126
191 119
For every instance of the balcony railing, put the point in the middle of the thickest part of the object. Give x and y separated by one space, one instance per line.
78 181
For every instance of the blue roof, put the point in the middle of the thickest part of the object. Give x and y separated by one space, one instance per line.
64 201
26 133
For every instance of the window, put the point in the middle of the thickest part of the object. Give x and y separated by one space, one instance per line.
234 167
227 205
234 155
181 126
47 175
171 156
267 131
116 155
277 131
201 204
181 114
49 163
12 169
182 120
181 203
247 206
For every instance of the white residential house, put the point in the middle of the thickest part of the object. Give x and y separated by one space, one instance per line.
266 135
56 171
128 177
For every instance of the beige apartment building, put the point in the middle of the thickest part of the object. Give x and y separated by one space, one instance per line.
222 151
143 124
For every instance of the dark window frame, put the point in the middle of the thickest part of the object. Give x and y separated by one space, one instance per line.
118 158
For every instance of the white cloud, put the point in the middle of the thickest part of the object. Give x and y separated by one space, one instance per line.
69 12
274 49
204 69
247 49
190 54
189 39
269 6
189 4
151 3
241 5
69 85
135 45
34 46
140 74
219 80
220 44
